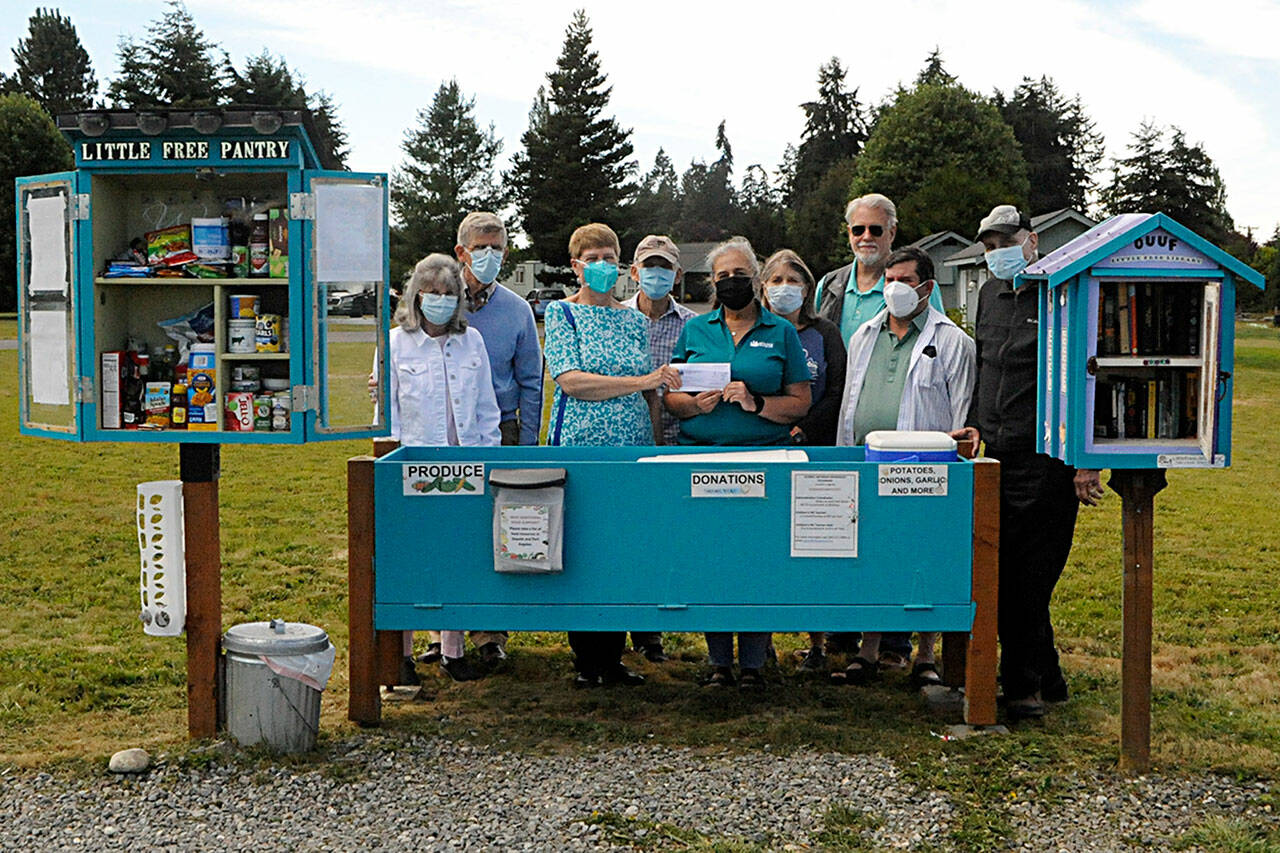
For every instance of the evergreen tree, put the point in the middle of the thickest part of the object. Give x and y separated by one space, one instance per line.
174 65
52 66
448 172
265 81
331 137
574 167
762 220
1175 178
1059 141
934 73
656 208
945 156
817 227
709 208
29 145
834 129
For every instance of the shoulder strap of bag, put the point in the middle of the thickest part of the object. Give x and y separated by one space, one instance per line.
555 429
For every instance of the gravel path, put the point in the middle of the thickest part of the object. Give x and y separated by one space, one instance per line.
440 795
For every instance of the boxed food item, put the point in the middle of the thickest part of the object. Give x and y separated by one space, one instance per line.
202 397
170 247
278 231
155 405
239 414
114 369
210 238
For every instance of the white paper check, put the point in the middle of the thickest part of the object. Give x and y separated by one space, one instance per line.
703 376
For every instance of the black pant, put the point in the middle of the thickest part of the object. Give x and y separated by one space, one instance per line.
1037 522
597 652
642 639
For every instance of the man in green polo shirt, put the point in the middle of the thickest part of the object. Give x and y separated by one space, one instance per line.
854 293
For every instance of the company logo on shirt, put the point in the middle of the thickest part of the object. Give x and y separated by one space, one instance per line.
765 344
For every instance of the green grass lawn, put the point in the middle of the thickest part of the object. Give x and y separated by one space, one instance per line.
79 679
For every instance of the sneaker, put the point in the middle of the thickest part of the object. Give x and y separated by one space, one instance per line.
408 673
751 679
619 674
1026 708
491 654
582 681
721 676
654 653
460 669
814 661
431 655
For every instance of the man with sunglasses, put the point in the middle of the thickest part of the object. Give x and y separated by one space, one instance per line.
849 297
854 293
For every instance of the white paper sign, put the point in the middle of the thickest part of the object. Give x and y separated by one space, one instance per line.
446 479
47 220
1189 460
913 481
703 376
726 484
824 513
349 230
48 357
524 532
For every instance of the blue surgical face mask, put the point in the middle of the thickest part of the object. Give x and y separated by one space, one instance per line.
785 298
600 276
656 282
1007 262
485 263
438 308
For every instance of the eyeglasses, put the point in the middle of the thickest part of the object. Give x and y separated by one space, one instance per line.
876 230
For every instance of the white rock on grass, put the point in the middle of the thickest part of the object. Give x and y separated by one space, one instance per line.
130 761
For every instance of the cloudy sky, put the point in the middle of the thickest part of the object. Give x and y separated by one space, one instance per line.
677 69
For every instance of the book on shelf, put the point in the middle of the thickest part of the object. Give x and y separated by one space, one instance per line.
1152 419
1151 318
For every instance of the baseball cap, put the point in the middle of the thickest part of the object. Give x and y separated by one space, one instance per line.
1006 219
656 244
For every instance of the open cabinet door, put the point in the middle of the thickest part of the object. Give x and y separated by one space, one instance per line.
347 271
1208 415
50 394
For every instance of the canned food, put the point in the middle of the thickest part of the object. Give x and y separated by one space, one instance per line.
262 412
281 410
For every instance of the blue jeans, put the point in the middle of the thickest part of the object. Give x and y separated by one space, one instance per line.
752 646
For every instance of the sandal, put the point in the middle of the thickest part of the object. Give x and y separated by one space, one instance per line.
925 674
859 671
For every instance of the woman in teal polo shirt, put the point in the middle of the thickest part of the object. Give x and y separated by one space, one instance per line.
768 391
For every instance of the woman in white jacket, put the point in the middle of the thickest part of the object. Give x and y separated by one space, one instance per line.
441 389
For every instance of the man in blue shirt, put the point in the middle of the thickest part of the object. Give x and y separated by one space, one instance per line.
854 293
506 323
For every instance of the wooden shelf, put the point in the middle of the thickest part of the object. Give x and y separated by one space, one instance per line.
254 356
162 281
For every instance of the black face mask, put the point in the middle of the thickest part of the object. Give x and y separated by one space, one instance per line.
735 292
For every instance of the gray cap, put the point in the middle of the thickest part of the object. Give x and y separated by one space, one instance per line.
662 247
1006 219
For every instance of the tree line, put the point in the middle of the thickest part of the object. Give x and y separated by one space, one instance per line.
945 153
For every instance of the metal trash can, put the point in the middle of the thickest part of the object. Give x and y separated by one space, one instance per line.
269 697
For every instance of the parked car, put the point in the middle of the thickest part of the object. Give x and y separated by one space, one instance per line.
540 299
346 303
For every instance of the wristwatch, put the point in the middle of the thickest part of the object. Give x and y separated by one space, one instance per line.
759 401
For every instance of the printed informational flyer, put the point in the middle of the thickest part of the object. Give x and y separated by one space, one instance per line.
524 532
824 513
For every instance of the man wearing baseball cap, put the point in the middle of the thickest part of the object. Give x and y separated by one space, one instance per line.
656 269
1039 495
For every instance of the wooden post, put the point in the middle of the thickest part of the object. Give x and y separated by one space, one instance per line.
364 703
980 659
388 646
1137 490
199 467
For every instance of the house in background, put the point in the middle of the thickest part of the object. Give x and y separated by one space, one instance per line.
939 246
523 277
1055 229
697 273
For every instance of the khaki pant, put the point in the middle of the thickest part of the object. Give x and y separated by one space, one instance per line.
478 638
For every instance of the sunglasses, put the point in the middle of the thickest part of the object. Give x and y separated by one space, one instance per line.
876 230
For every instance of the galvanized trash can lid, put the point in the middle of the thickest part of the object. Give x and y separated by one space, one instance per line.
276 637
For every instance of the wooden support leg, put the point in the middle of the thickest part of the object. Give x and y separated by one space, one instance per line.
364 704
980 660
199 466
1137 490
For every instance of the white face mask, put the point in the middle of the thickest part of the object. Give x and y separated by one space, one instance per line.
901 298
